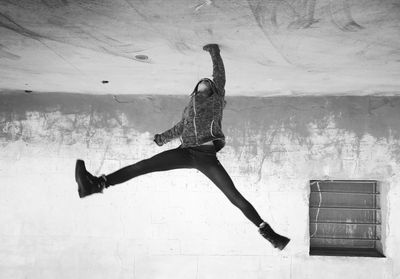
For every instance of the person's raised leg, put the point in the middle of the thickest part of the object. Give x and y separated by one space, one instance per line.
218 175
177 158
167 160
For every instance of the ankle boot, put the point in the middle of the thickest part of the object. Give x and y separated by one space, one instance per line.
87 183
277 240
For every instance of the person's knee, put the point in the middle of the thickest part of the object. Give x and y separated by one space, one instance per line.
240 202
141 166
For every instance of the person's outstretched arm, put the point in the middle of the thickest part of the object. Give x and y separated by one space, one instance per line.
218 67
170 134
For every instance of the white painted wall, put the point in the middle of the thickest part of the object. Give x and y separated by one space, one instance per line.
177 224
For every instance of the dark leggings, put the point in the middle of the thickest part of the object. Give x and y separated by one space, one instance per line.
202 158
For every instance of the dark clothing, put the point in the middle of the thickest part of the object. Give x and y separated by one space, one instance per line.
202 158
200 123
202 117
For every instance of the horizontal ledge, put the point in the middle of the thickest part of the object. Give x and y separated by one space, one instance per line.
346 252
344 181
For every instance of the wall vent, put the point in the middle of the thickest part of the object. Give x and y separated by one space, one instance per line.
345 218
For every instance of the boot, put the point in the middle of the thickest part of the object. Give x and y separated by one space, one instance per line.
87 183
277 240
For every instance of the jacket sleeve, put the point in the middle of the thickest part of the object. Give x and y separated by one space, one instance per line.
174 132
218 71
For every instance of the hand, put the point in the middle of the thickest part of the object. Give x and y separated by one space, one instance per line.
159 139
211 47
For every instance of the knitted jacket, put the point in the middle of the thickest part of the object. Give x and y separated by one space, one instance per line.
202 117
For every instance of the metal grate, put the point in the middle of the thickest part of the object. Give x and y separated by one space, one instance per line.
345 218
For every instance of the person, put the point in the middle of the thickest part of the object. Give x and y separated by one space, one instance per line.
200 131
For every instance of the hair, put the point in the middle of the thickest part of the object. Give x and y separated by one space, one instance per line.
212 86
210 83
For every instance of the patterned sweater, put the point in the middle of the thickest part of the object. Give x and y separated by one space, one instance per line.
202 117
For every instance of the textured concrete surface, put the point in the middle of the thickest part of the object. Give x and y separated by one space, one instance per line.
270 47
177 224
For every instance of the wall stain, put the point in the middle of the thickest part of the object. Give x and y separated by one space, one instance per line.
7 54
245 118
83 35
300 14
55 3
8 23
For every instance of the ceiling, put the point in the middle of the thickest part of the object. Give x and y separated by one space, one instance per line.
270 47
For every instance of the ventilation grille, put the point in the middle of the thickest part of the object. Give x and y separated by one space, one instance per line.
345 218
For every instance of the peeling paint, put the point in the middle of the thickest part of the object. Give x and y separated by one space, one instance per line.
275 146
251 122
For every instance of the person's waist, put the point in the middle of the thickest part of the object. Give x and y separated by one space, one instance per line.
205 148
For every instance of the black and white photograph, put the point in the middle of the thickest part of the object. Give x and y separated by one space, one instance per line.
200 139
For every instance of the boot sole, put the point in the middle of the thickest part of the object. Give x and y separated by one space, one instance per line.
79 166
284 244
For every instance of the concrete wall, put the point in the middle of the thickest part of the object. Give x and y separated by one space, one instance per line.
177 224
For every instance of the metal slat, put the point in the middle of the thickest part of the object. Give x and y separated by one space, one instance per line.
344 181
350 223
344 238
341 192
344 208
